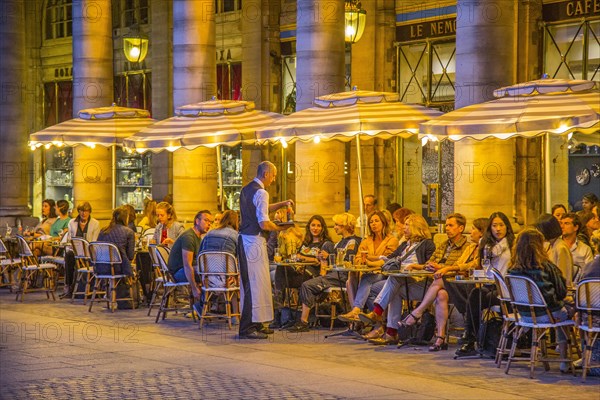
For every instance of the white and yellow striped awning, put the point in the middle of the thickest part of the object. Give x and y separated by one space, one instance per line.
210 124
104 126
344 115
528 109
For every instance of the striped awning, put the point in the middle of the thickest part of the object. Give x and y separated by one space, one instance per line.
104 126
528 109
210 124
344 115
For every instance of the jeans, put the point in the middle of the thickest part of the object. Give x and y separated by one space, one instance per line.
364 288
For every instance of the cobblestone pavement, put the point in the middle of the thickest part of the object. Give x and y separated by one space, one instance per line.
58 350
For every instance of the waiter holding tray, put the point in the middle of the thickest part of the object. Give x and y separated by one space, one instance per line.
256 298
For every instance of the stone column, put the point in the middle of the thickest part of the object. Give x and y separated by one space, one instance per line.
260 48
92 87
194 80
320 70
195 177
161 46
13 135
485 60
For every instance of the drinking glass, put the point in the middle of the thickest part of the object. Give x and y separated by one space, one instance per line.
331 260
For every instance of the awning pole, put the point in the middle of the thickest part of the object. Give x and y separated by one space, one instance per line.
283 174
113 189
220 171
363 222
400 170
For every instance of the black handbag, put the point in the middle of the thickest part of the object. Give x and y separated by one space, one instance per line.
394 264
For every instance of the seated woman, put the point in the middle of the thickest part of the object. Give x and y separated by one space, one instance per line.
223 235
62 222
556 248
494 252
43 228
344 225
399 217
417 249
149 218
315 240
531 260
168 228
48 218
83 226
379 242
558 210
121 236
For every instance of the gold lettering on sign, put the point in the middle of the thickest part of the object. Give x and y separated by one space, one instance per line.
416 31
442 27
582 7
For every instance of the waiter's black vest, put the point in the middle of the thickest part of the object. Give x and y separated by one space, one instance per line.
249 225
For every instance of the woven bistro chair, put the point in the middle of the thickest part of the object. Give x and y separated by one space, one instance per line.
508 317
8 265
170 287
526 294
84 274
220 277
29 271
587 300
107 254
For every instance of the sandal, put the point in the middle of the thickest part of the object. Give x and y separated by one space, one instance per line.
375 333
440 346
404 323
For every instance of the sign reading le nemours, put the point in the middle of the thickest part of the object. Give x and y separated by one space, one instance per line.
560 11
429 29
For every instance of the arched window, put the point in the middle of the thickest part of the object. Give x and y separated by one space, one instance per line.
59 19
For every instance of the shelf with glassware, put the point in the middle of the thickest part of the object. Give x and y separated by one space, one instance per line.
231 163
134 178
59 173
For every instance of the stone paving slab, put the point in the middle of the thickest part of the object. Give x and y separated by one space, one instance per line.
59 350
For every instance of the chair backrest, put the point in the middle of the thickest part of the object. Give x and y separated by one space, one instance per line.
149 233
3 248
139 229
24 249
503 293
162 257
80 247
587 296
104 253
525 294
152 252
65 237
215 267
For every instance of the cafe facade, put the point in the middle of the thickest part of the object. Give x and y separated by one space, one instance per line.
443 55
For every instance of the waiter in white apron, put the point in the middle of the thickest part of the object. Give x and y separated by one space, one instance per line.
256 297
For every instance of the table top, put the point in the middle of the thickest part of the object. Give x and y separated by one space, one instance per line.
289 263
353 268
472 281
411 273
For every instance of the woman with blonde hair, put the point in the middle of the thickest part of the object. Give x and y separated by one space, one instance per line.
168 228
417 249
149 218
379 242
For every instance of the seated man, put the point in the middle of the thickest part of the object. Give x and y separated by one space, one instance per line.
182 258
394 290
309 290
581 252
